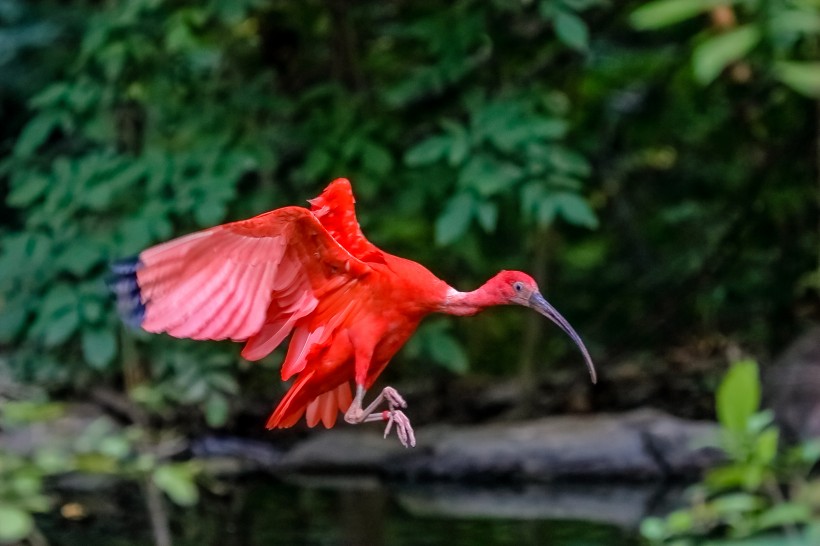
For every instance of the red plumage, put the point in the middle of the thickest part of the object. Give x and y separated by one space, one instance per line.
312 275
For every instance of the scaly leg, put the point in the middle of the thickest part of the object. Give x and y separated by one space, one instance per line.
356 414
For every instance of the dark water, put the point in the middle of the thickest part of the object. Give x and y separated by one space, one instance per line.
364 512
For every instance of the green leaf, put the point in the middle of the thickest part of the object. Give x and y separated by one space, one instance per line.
99 347
571 30
26 193
36 132
574 209
217 410
766 446
376 159
803 77
785 513
714 54
61 327
734 503
738 396
177 481
15 524
427 151
447 352
487 216
454 221
653 529
12 320
488 176
662 13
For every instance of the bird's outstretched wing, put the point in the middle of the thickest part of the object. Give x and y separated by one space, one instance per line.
248 280
335 210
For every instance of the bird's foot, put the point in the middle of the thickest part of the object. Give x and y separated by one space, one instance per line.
393 415
404 430
393 398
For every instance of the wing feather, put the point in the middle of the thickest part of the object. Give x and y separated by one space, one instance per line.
249 280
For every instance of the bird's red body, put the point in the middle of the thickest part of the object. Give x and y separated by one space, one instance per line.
347 306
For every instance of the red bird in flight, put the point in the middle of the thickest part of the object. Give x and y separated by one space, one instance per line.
347 306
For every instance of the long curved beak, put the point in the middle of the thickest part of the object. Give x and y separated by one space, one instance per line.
541 305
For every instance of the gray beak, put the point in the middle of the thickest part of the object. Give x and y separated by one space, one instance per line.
541 305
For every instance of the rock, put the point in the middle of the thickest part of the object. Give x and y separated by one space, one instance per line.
792 387
62 431
639 445
624 505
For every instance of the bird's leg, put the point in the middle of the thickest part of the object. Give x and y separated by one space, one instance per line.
394 416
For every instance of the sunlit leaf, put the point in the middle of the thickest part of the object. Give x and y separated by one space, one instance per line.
717 52
738 396
15 524
803 77
177 481
571 30
662 13
785 513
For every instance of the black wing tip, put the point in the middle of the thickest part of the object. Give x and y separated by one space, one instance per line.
125 288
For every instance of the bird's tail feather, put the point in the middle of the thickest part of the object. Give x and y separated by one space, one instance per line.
124 286
322 408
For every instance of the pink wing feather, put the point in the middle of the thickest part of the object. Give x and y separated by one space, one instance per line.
249 280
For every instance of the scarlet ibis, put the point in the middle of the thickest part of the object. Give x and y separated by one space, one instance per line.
309 273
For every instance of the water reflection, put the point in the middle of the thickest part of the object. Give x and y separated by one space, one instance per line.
362 511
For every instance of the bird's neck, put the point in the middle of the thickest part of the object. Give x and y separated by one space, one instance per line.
467 303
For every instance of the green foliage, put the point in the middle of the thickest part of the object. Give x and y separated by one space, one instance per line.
179 115
508 147
790 28
760 489
488 128
131 453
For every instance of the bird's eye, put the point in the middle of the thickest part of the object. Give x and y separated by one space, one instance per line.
518 287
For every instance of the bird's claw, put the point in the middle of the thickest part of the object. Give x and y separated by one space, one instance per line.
394 399
404 430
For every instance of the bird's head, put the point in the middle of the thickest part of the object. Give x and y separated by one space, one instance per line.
518 288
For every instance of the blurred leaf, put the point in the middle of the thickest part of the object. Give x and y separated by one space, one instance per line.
738 396
26 193
574 209
99 347
16 413
488 176
427 151
177 481
217 410
36 132
766 448
15 524
662 13
454 221
714 54
487 215
446 351
783 514
571 30
803 77
734 503
61 326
